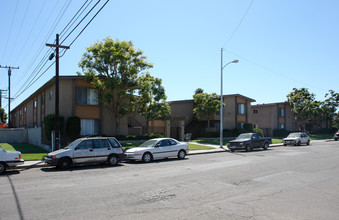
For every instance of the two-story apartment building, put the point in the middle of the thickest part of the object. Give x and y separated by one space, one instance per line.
77 98
236 113
269 117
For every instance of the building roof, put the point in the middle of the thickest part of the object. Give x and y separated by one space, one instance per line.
47 84
269 104
192 100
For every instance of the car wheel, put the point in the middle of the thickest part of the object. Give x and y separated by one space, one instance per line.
112 160
308 142
232 150
285 144
64 163
266 145
147 157
2 168
248 148
181 154
299 143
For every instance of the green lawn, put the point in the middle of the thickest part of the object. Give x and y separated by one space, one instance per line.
28 151
31 152
192 146
210 141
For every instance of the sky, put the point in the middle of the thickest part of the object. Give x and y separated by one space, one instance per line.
280 45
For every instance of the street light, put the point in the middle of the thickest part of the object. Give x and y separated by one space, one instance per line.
222 100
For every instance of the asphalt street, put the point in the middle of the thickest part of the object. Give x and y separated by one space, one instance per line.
293 182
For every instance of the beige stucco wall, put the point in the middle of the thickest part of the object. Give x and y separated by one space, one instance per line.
182 109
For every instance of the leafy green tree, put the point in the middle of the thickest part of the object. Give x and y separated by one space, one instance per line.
329 107
3 115
303 106
112 68
151 102
205 104
336 120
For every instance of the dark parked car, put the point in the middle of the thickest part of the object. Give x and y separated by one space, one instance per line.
249 141
336 135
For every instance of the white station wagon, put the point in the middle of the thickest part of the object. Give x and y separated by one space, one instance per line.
158 148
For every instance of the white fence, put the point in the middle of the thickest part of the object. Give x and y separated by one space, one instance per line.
21 135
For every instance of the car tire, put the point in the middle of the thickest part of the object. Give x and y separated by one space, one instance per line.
232 150
248 148
3 168
64 163
299 143
308 142
285 144
266 145
181 154
112 160
147 157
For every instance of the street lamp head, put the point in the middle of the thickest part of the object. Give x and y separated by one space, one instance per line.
235 61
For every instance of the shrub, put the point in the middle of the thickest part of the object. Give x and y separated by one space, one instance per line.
143 137
280 132
73 127
248 127
49 123
259 131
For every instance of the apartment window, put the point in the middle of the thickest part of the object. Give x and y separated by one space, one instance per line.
255 111
50 94
241 108
241 125
25 109
281 126
86 96
42 100
89 127
282 112
35 103
20 112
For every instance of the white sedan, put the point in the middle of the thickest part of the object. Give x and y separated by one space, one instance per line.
158 148
297 138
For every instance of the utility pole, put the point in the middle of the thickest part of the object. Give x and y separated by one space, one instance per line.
9 91
57 126
1 90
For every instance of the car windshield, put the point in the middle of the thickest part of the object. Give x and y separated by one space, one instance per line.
149 143
293 135
74 143
244 136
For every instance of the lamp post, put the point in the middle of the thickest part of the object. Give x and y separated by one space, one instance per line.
222 100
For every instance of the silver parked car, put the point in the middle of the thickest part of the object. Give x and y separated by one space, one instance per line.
158 148
297 138
87 150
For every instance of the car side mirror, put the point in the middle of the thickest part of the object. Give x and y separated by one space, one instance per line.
157 145
77 148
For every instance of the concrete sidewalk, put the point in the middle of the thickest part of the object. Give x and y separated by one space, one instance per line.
217 149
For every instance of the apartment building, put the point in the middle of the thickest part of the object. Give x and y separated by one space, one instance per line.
236 113
77 98
273 116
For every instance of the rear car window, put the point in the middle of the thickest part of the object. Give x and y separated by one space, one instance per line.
114 143
101 143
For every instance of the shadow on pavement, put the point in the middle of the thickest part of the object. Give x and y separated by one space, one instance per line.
79 168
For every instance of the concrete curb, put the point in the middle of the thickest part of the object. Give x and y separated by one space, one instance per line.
36 164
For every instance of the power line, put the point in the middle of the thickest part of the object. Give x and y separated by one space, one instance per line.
235 30
10 30
272 71
82 20
22 22
75 16
88 23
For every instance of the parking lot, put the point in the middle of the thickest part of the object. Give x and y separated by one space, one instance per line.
292 182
